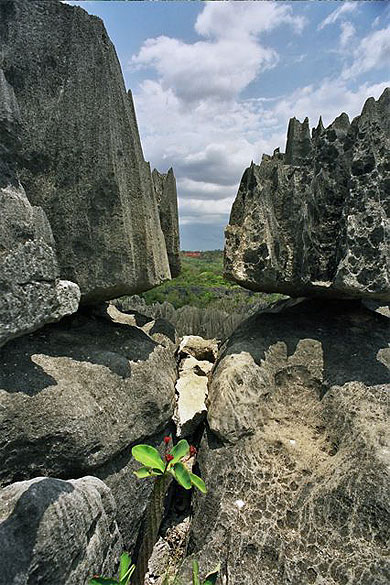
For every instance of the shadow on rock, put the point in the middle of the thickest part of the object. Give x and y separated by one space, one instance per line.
81 338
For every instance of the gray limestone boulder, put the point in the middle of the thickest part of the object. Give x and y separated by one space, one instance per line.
80 156
77 394
57 532
297 458
165 187
31 293
315 221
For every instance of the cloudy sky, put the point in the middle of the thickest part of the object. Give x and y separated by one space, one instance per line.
215 84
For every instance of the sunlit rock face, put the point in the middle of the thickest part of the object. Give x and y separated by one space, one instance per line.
296 457
315 221
80 155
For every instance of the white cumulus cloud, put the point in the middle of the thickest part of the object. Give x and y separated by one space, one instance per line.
191 113
328 99
373 52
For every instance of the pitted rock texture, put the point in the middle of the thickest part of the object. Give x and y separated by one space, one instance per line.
165 187
76 394
299 479
199 348
31 293
54 531
315 221
81 158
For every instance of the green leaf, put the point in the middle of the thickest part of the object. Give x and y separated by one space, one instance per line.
102 581
198 482
125 563
148 456
195 572
143 472
182 476
179 451
127 576
212 577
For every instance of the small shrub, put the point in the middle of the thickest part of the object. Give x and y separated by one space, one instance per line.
173 463
126 569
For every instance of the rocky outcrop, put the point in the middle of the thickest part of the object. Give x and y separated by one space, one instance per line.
165 187
31 293
297 458
315 221
199 348
54 531
190 320
74 398
75 394
80 155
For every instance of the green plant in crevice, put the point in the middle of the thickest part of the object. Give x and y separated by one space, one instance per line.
173 463
211 578
163 470
126 569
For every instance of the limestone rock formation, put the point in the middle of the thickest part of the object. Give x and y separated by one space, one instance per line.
75 394
297 458
31 293
74 398
315 221
199 348
54 531
165 187
191 390
80 155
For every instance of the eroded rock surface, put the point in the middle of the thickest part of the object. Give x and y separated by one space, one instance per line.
200 348
75 394
315 221
54 531
80 155
165 187
298 480
31 293
191 390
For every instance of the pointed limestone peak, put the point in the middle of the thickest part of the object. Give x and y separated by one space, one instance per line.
378 111
171 174
298 146
341 123
319 130
369 107
384 99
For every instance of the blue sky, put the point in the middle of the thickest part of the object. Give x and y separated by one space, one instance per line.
215 84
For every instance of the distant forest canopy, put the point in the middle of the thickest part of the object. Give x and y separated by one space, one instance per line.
204 255
201 284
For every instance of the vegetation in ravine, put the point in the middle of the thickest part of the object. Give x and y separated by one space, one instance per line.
175 463
201 284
